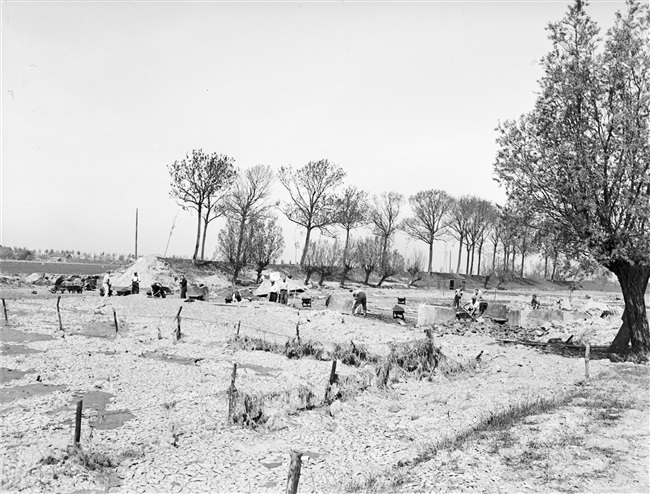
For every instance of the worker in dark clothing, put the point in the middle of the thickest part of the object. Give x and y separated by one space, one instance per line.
183 287
135 284
359 300
534 303
157 290
457 296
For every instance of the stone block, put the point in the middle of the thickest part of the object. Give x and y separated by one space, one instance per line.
435 314
340 303
496 311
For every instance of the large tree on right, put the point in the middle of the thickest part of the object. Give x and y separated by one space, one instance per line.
581 156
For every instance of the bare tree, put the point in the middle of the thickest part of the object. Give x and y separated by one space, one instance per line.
310 262
311 191
267 243
481 217
384 217
414 268
459 219
392 264
430 208
234 245
198 182
247 201
352 212
368 255
326 256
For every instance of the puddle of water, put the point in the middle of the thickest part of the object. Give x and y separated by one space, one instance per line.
19 392
260 369
169 358
97 400
98 330
271 464
14 335
112 420
7 375
312 454
18 350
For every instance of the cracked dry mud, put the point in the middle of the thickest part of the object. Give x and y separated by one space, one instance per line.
176 438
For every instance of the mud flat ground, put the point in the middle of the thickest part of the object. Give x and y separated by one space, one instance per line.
524 419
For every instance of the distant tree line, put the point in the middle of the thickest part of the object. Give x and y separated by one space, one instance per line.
25 254
357 231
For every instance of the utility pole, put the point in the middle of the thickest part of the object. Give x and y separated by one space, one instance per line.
136 234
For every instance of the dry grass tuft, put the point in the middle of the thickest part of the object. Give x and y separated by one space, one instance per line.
354 354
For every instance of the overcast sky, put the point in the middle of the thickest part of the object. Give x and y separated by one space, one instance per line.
99 97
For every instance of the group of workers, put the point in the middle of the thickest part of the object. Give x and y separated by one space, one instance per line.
279 291
476 305
157 289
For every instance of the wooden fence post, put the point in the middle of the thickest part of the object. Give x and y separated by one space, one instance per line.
294 472
232 393
4 309
178 324
332 380
58 312
587 350
115 320
298 332
77 423
238 328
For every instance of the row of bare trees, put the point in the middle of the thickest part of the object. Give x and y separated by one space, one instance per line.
318 201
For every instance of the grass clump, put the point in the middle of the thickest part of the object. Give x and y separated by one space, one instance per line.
250 343
422 359
293 348
353 354
303 348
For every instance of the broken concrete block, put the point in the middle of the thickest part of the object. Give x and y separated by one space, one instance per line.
496 311
435 314
340 303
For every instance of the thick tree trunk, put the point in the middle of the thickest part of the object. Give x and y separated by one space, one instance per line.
634 281
468 249
554 267
478 268
261 266
460 254
382 279
240 249
545 266
198 237
471 267
494 255
523 257
621 343
430 269
205 234
306 248
365 282
345 270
